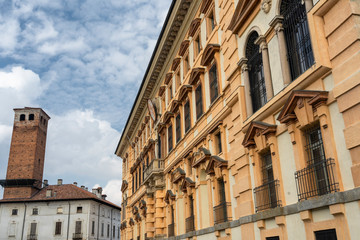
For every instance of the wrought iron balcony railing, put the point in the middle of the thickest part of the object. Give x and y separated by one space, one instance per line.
32 237
77 236
171 230
316 179
267 196
155 166
221 213
190 224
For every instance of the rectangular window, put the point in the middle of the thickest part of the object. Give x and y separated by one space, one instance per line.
140 176
159 147
58 228
170 138
273 238
214 89
118 235
136 180
218 143
108 230
178 128
79 210
187 115
114 231
59 210
93 228
14 212
210 23
199 102
186 65
221 185
35 211
33 228
170 92
78 227
197 46
102 229
329 234
177 81
133 181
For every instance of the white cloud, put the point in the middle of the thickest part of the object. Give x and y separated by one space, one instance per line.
9 33
112 190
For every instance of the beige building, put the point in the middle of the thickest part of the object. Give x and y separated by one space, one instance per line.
246 124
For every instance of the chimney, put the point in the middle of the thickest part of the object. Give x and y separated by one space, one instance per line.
103 196
45 182
97 192
48 193
82 186
59 182
86 189
75 183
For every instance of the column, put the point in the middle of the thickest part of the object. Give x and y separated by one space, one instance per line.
285 67
261 41
245 74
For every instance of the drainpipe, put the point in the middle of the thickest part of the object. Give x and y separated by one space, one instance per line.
23 225
68 226
98 222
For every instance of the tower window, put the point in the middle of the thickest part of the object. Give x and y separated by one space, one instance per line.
35 211
79 210
14 212
22 117
31 117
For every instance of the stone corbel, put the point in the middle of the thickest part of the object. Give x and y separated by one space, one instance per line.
304 112
291 130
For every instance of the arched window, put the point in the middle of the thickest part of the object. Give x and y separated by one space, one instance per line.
22 117
296 30
256 73
31 117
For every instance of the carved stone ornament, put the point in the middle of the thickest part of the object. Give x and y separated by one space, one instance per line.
266 5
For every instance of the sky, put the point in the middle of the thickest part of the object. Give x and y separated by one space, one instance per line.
82 61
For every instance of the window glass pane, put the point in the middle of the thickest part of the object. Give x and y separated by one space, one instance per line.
214 91
78 227
199 103
178 128
57 228
187 116
170 138
329 234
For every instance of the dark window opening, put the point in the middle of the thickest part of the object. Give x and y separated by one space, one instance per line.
33 229
214 88
108 231
31 117
298 42
199 102
329 234
79 210
14 212
221 185
78 227
178 128
102 229
58 228
93 228
22 117
35 211
170 138
113 231
187 115
159 147
273 238
218 143
256 73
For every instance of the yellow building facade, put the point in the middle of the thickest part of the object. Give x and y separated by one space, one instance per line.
246 124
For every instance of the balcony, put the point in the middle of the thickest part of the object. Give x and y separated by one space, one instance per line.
77 236
171 230
32 237
190 224
267 196
221 213
156 166
317 179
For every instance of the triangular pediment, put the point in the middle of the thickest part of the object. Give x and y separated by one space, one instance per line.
215 161
208 54
243 10
300 99
187 183
254 129
178 174
169 196
124 185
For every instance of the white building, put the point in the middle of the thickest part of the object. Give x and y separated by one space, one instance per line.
62 211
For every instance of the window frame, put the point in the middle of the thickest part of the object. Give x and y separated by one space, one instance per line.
187 115
178 131
58 228
212 81
170 138
200 101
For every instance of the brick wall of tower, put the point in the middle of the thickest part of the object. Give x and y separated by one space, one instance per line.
27 151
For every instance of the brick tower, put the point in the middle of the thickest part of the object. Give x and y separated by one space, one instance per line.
27 152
